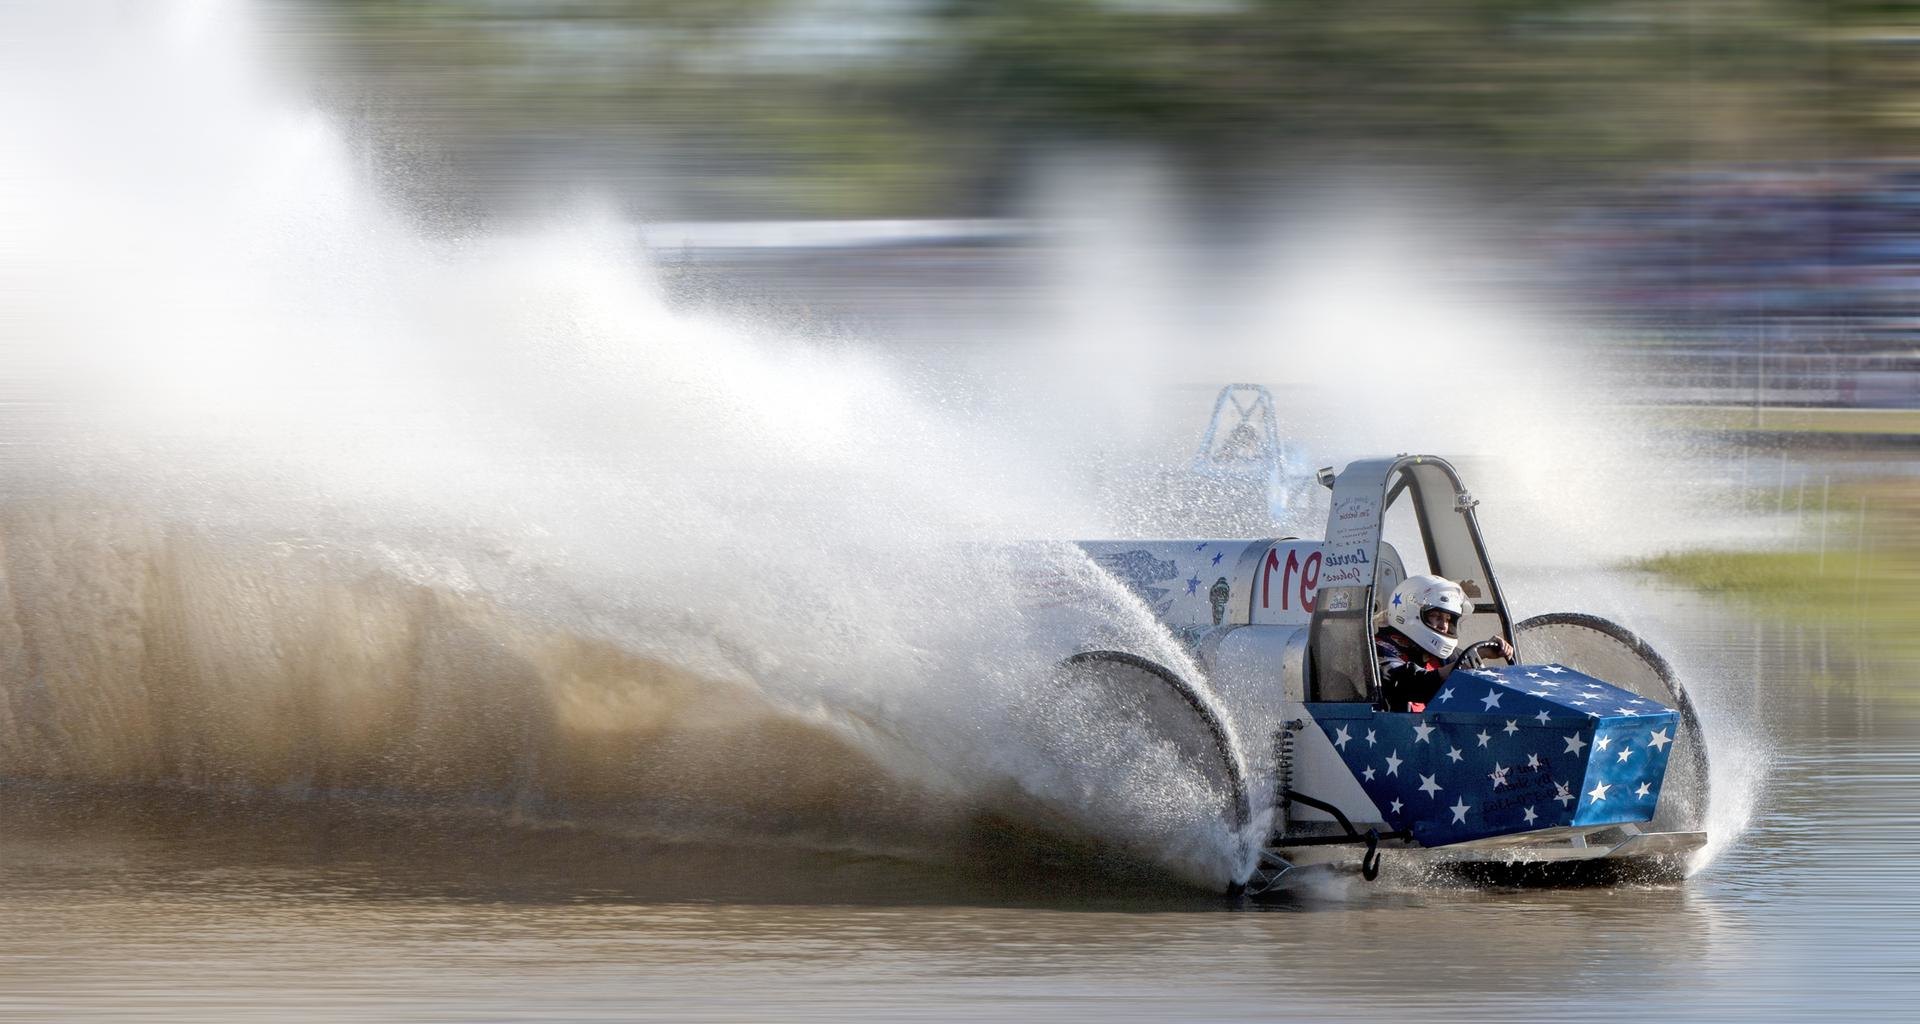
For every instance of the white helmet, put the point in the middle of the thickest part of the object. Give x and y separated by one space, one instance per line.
1414 597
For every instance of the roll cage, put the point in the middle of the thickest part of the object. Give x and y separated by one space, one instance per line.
1341 664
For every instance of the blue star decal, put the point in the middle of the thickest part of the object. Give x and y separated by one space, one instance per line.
1538 762
1217 556
1396 600
1202 546
1193 585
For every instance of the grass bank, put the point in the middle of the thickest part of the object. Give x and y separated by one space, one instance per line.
1868 579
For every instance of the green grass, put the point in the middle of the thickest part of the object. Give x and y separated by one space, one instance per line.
1870 607
1866 584
1784 580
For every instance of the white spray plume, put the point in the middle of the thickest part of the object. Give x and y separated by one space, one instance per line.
318 440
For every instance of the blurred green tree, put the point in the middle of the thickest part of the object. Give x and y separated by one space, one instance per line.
845 107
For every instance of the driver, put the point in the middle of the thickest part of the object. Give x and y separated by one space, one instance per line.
1417 644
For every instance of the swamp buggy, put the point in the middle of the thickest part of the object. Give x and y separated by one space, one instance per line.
1581 762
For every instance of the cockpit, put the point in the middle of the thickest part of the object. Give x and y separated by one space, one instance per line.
1420 502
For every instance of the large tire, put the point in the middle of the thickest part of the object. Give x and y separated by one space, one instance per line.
1174 710
1610 652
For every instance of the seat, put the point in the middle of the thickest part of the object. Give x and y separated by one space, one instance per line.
1351 679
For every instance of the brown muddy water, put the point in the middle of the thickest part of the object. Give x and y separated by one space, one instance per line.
213 906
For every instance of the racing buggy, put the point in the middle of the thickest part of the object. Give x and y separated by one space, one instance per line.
1582 761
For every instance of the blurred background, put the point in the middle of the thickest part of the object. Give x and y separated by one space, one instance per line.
1711 207
1725 186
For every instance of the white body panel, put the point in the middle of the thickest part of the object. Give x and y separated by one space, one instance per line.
1284 586
1259 674
1201 583
1254 671
1318 771
1256 666
1187 583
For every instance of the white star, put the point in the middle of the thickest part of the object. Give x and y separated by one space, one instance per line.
1533 675
1429 787
1601 742
1636 700
1420 732
1542 717
1599 791
1555 669
1562 794
1528 816
1483 737
1629 712
1393 763
1483 673
1499 775
1539 693
1454 755
1646 788
1369 737
1625 752
1367 775
1459 810
1659 740
1579 702
1548 682
1512 727
1395 806
1340 737
1574 743
1491 700
1445 696
1533 760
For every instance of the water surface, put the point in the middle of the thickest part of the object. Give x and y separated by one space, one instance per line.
226 908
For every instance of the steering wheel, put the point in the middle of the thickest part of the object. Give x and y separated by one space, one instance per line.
1489 650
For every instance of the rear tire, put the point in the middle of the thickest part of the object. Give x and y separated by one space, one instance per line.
1179 711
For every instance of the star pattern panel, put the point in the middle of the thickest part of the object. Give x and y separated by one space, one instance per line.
1506 750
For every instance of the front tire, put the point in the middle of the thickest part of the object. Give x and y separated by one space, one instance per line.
1614 654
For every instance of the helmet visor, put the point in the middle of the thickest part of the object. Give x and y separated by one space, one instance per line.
1440 620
